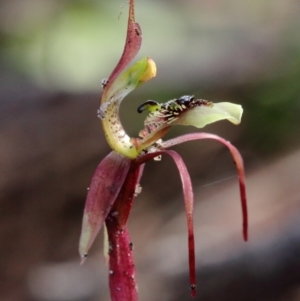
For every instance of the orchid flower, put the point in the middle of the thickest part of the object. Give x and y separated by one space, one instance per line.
116 180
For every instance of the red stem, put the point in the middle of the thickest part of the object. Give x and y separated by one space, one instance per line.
122 278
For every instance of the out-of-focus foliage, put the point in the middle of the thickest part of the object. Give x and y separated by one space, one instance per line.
67 44
243 51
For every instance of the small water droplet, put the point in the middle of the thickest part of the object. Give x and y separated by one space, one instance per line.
111 272
157 158
131 246
138 190
104 82
193 287
101 114
118 289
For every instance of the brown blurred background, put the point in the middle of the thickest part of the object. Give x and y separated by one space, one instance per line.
53 55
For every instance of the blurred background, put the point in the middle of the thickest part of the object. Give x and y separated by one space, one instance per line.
53 56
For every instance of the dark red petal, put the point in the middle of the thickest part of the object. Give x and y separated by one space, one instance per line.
237 159
131 48
189 207
103 191
189 210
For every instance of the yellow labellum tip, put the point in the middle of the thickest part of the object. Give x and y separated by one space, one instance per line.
150 71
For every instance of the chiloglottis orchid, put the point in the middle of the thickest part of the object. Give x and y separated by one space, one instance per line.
116 179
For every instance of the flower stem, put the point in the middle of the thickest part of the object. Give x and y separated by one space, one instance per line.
122 279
